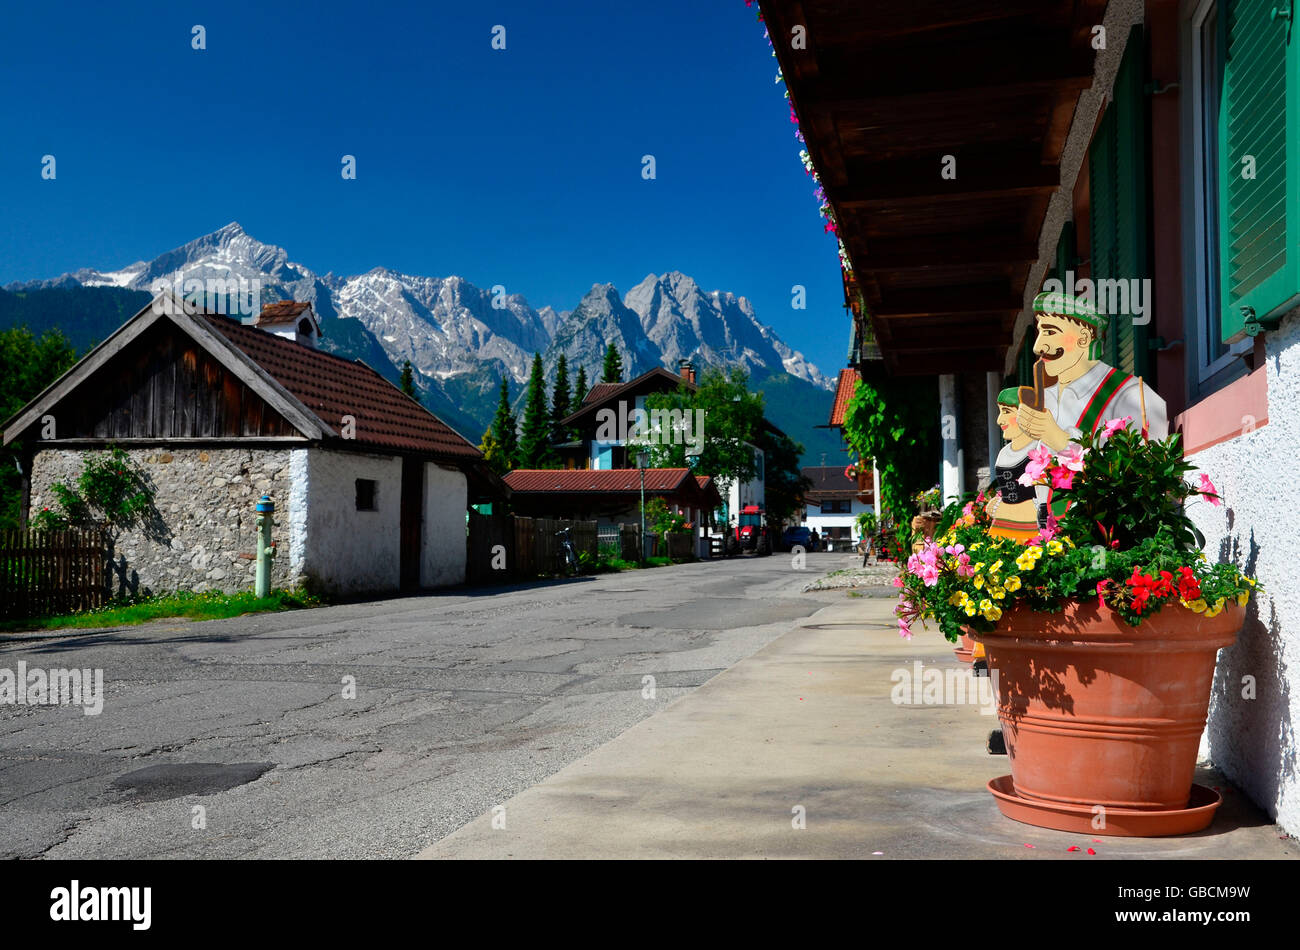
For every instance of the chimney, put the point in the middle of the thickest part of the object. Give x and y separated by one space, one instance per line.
687 370
292 319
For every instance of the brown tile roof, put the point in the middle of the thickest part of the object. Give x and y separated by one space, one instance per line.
525 480
332 387
828 481
284 311
844 389
600 391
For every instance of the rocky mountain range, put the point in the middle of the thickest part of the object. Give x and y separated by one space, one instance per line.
461 339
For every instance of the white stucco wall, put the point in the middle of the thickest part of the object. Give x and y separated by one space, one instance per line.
345 550
442 555
1254 740
295 519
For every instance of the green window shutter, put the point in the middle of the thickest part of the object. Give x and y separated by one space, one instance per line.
1259 119
1119 206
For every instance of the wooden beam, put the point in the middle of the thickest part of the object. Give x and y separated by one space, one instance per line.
941 301
948 250
979 175
893 80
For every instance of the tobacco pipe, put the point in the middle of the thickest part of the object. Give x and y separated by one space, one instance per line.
1032 396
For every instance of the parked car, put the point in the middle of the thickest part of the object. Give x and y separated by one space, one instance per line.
797 534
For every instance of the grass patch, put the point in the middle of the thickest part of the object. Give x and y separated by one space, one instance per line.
208 605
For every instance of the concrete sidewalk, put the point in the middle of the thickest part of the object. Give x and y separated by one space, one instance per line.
808 722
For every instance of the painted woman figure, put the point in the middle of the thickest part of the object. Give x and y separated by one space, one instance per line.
1014 508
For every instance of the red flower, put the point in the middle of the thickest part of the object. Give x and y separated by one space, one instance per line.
1146 588
1189 588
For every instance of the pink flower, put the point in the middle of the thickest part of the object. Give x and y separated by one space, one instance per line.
930 574
1071 458
1042 455
1209 491
964 566
1114 426
898 582
1028 478
1062 478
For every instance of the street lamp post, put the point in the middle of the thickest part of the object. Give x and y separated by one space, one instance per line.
642 459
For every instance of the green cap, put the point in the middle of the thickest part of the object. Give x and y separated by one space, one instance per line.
1009 397
1068 305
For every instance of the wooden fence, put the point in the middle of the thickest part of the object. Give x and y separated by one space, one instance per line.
52 572
514 547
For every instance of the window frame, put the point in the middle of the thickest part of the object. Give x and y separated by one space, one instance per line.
1203 320
374 493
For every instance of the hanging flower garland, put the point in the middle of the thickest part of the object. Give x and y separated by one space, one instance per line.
824 204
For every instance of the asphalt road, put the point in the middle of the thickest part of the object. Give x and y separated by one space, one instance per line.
236 738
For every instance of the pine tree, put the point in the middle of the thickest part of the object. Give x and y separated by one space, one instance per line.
612 371
408 381
560 405
535 434
580 387
500 446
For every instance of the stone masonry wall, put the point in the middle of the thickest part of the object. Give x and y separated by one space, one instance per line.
206 535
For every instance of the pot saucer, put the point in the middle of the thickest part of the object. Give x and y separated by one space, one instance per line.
964 655
1120 822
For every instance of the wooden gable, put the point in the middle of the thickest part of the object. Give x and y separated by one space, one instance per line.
164 385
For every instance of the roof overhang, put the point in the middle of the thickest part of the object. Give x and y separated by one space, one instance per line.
884 93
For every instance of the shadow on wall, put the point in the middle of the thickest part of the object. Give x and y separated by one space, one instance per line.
123 581
1256 744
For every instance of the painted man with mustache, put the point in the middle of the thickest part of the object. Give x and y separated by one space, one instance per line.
1087 392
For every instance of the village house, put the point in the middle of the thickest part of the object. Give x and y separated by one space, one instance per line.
1145 154
370 489
610 497
832 505
607 417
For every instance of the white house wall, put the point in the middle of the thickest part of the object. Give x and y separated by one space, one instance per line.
1253 739
349 551
446 498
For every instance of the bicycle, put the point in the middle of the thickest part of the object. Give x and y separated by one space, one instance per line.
568 552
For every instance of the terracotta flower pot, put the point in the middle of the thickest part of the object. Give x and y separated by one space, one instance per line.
965 648
1096 712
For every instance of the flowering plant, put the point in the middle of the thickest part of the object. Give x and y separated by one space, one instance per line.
1125 538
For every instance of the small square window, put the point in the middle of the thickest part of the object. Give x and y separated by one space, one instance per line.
366 488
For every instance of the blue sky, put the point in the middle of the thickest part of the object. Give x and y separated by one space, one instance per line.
519 167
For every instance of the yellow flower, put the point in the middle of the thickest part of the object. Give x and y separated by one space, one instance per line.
1068 542
1248 580
997 593
1012 582
975 545
969 607
1243 598
959 598
1216 609
978 581
986 604
992 613
1055 547
1034 551
1196 606
1025 562
997 566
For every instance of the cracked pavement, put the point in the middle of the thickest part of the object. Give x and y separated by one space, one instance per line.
463 699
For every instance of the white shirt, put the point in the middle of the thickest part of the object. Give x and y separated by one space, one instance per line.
1066 403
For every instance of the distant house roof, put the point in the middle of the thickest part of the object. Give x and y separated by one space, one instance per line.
657 480
613 483
284 311
332 387
655 380
845 387
600 391
829 482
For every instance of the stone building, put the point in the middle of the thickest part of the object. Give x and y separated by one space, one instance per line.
370 488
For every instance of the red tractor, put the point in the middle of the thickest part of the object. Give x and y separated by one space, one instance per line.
750 533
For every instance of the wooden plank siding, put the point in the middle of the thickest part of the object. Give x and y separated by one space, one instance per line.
164 386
